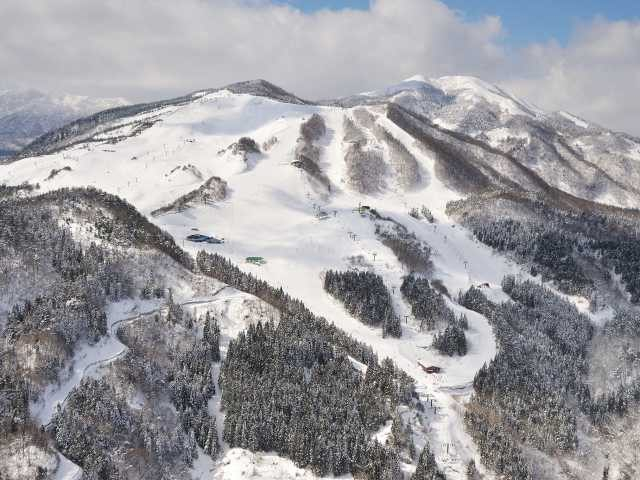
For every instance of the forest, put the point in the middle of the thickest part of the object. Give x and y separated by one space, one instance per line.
366 297
220 268
285 389
67 285
532 394
580 249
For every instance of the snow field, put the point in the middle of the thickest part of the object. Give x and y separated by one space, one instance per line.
270 212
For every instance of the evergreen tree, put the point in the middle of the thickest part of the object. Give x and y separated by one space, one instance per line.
211 445
383 464
392 327
452 341
427 305
211 336
536 381
365 296
427 468
401 438
285 388
472 471
175 313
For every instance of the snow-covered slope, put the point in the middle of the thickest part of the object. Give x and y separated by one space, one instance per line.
272 211
25 115
578 157
475 90
302 229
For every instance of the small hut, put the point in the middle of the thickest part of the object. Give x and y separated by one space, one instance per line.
431 369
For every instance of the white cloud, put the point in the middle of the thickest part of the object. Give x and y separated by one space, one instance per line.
148 49
119 47
595 76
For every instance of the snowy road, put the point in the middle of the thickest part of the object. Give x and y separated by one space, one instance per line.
107 350
90 358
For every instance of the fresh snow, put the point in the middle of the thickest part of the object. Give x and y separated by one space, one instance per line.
499 135
67 470
20 462
416 78
239 464
270 212
580 123
89 359
475 89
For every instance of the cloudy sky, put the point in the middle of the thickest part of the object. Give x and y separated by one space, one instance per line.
581 56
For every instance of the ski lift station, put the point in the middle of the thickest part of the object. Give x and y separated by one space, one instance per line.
199 238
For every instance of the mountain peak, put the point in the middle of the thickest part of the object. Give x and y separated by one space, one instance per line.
264 88
415 78
475 89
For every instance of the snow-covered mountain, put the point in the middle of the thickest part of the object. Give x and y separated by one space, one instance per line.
565 151
523 143
446 196
27 114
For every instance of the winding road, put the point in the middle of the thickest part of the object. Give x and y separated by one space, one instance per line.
67 470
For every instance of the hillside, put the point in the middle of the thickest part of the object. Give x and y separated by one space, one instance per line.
449 198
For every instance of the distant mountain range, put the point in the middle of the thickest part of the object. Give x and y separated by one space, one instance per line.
27 114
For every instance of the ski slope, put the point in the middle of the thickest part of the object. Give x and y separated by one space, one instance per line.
270 211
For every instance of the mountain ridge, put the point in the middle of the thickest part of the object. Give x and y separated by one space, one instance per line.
489 238
567 153
27 114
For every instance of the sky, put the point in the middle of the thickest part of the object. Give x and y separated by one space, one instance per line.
580 56
523 21
543 20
